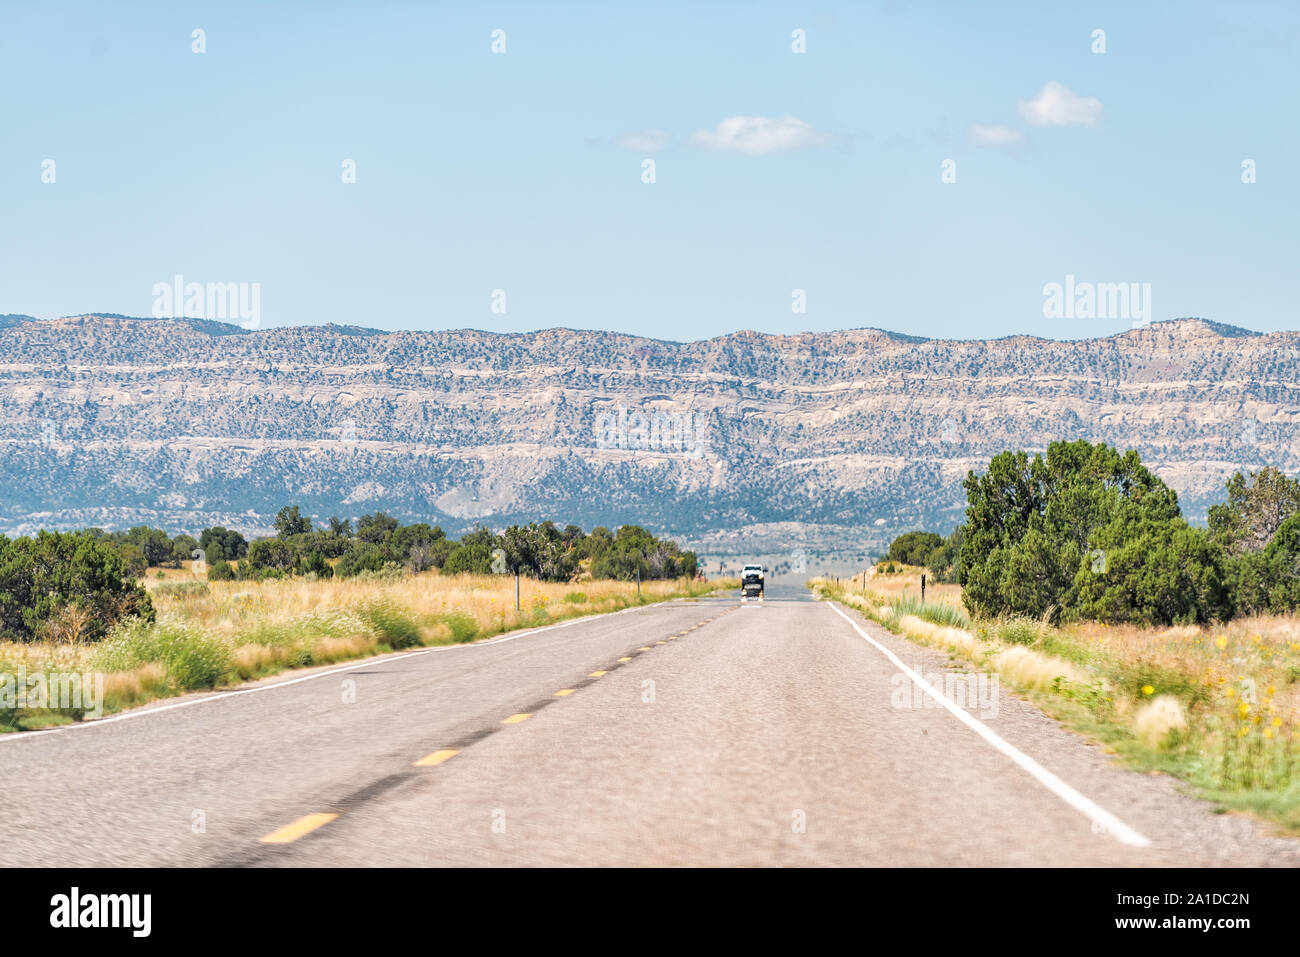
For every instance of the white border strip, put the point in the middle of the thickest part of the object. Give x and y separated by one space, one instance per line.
145 711
1099 815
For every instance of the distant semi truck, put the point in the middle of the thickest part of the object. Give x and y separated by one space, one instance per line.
751 581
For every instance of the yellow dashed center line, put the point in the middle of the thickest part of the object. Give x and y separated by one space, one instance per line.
625 659
597 674
429 760
563 692
304 825
516 718
661 642
643 649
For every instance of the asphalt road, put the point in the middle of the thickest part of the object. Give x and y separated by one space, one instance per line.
707 732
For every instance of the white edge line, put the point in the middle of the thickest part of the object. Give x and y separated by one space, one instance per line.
1099 815
144 712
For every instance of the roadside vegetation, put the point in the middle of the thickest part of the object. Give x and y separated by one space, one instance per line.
1086 533
72 603
381 543
1077 582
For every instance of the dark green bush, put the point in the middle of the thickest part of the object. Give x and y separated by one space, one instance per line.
914 548
41 577
474 559
221 571
360 557
274 554
314 563
1085 531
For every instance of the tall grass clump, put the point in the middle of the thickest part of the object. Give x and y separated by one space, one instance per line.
192 659
463 627
194 589
1018 631
935 612
392 625
14 718
302 629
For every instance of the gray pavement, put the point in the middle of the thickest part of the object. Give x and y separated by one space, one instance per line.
705 732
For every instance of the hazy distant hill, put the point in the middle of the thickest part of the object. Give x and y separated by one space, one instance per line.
827 439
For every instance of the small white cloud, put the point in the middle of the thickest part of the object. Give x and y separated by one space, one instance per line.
993 134
756 135
1057 106
647 141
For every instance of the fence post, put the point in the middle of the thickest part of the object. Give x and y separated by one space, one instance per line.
516 591
922 588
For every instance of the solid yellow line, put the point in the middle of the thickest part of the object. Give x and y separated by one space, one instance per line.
437 757
516 718
304 825
597 674
563 691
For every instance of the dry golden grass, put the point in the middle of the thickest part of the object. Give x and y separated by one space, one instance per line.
329 650
252 659
256 629
954 639
1024 667
1239 684
489 600
141 684
1217 704
1156 719
1027 668
905 582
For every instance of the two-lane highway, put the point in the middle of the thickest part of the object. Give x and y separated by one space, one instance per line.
686 733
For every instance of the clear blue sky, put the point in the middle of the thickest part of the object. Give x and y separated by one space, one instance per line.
478 171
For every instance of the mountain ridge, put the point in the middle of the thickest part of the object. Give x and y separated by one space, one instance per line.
218 327
852 435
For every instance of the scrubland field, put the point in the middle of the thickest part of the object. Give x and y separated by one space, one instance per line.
216 634
1216 705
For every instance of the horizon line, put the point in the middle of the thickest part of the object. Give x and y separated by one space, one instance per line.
202 324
